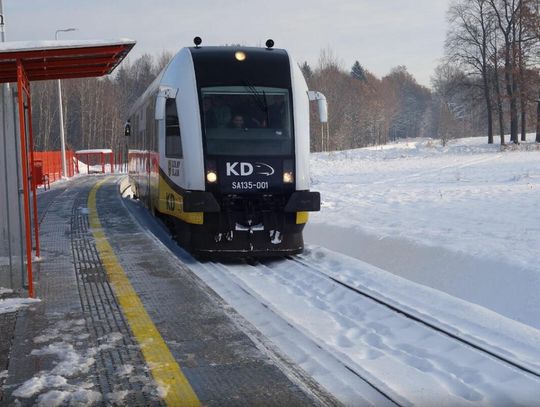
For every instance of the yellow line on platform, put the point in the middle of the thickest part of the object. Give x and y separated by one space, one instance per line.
163 366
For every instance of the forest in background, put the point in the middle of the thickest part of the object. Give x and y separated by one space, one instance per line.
488 84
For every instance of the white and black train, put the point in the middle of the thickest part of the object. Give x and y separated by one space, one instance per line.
219 146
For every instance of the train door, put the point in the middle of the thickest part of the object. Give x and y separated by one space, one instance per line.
171 155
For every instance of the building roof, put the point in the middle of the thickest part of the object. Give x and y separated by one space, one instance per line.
44 60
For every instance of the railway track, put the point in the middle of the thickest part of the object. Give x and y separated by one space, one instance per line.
379 395
421 319
405 357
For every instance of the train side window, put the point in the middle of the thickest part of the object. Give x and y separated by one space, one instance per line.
173 140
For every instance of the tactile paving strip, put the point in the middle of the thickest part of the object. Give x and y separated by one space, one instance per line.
119 364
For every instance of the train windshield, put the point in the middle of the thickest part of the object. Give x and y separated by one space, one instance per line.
247 120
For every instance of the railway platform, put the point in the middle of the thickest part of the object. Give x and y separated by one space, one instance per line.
122 321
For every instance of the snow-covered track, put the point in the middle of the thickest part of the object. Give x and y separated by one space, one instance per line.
234 289
416 316
398 355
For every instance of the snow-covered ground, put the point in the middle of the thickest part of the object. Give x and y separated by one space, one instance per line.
463 218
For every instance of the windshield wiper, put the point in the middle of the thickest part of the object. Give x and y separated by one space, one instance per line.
260 98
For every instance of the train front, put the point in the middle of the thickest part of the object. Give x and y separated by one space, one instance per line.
255 127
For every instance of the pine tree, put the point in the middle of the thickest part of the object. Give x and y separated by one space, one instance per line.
358 72
306 70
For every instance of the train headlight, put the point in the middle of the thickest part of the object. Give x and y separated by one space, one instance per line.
240 56
288 177
211 177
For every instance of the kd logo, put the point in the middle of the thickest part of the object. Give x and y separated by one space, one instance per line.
236 168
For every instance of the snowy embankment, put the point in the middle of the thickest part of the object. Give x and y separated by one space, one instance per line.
463 219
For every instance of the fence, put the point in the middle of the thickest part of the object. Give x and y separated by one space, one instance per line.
52 164
121 162
49 163
94 161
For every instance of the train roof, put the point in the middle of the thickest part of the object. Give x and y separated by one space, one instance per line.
228 49
167 76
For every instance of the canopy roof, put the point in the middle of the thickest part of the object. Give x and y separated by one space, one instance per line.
44 60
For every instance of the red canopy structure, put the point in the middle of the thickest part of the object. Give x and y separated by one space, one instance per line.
27 61
44 60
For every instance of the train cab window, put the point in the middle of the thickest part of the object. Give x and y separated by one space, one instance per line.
173 140
247 120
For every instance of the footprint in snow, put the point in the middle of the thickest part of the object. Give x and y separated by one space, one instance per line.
375 341
319 304
343 342
423 365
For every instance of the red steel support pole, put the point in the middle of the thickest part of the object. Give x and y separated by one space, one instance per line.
102 163
24 163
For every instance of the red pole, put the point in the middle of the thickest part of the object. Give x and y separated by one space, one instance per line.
88 163
72 164
102 163
112 162
24 162
49 166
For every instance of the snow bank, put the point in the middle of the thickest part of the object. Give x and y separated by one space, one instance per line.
13 304
468 197
2 289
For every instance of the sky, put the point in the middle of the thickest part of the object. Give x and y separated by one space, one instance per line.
380 34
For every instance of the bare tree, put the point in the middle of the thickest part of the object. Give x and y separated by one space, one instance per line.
44 113
496 78
452 102
538 119
507 18
413 99
528 48
468 41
